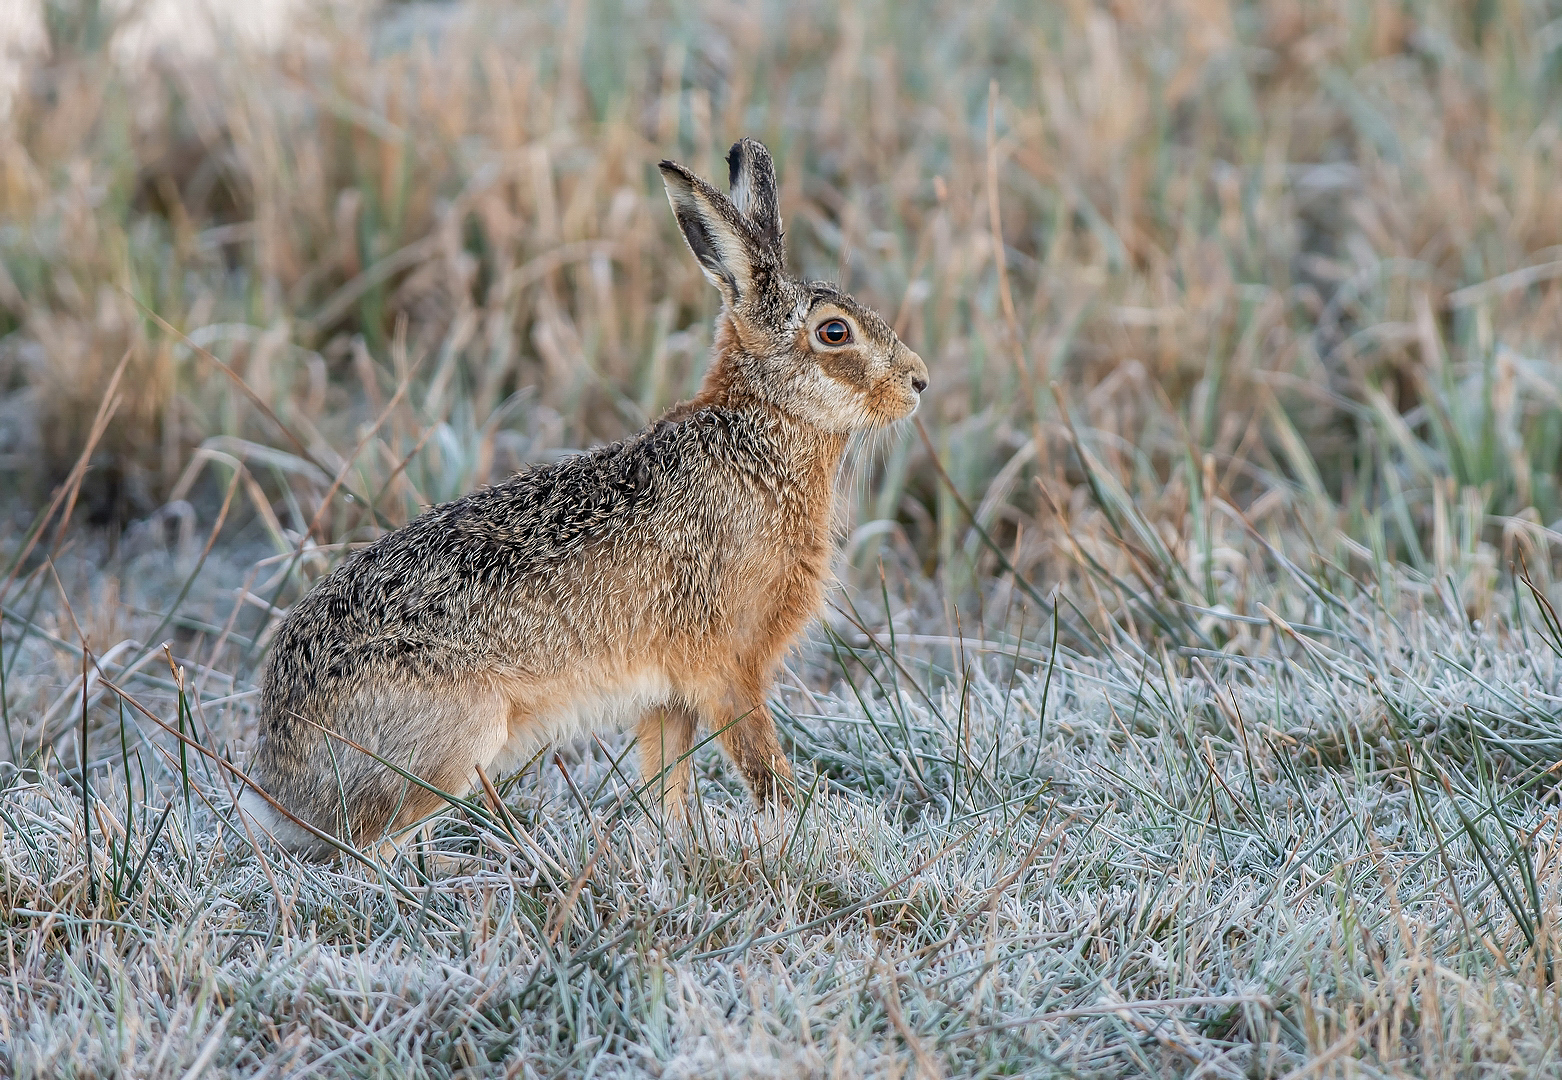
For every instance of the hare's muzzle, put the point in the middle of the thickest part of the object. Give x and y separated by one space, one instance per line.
902 388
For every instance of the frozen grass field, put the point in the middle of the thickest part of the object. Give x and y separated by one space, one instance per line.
1191 700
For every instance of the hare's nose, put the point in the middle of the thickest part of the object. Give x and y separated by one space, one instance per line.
913 366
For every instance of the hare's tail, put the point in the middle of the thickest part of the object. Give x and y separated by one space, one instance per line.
270 822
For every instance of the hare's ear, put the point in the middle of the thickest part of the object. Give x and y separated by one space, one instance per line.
752 177
729 248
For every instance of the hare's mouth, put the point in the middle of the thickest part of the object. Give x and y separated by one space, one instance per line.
893 404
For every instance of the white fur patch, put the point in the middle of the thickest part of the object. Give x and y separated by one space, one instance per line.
742 192
611 706
267 822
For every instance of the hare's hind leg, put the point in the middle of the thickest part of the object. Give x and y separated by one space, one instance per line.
665 737
342 768
439 733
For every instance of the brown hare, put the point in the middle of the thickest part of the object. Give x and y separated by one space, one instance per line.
656 581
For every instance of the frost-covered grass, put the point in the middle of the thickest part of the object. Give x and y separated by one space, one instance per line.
1335 851
1243 328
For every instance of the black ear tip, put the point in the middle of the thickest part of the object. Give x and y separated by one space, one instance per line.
734 162
675 176
744 150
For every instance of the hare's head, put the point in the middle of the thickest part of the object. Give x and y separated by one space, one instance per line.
803 347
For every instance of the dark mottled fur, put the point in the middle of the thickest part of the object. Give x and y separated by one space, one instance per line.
659 579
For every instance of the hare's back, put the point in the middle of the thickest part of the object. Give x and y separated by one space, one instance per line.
493 568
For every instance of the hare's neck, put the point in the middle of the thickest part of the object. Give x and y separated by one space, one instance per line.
813 454
803 450
804 458
810 455
805 445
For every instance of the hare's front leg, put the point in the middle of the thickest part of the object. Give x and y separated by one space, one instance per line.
666 735
748 734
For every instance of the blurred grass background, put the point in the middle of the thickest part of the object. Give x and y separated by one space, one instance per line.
1301 254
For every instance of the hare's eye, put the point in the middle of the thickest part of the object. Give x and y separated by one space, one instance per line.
834 332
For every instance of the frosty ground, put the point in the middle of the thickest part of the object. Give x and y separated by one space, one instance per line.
1334 842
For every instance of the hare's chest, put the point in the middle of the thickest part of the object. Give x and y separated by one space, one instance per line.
780 561
787 590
